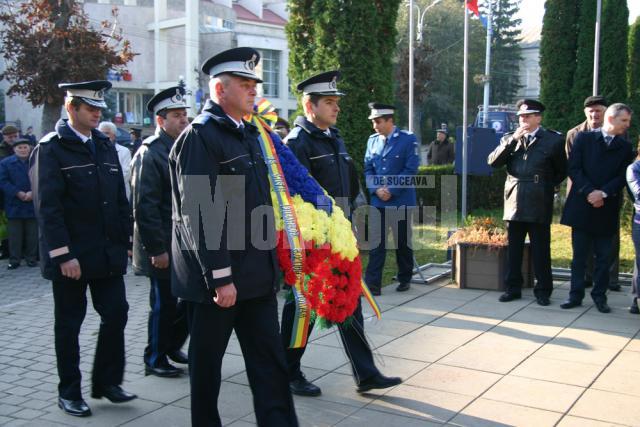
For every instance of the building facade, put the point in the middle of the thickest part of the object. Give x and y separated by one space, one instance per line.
172 38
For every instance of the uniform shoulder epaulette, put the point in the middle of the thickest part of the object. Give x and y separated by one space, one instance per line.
201 118
373 135
293 134
509 133
406 132
51 136
554 131
150 139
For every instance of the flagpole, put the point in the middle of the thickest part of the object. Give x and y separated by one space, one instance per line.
464 112
411 82
596 48
487 68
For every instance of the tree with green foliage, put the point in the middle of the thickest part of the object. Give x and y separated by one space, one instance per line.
633 77
583 75
615 36
359 38
505 51
439 98
46 42
557 62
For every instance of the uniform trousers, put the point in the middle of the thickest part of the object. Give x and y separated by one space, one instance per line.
352 336
583 243
540 237
399 219
70 301
167 324
23 239
255 322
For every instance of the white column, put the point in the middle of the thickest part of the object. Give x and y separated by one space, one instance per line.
192 36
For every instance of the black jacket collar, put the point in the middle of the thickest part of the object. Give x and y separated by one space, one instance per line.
65 133
313 130
218 114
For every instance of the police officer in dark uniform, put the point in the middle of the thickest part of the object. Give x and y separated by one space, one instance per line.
223 258
536 164
319 147
85 232
136 140
151 200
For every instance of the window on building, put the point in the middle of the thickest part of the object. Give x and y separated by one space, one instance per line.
213 24
270 64
131 107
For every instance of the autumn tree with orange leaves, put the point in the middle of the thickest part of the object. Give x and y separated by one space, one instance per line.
45 42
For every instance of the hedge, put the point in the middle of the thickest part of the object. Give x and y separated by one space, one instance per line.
483 192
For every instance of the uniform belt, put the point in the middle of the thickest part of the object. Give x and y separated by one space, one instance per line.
535 179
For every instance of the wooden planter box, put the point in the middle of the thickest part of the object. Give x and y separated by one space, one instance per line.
477 266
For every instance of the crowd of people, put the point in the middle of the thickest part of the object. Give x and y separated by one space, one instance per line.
167 203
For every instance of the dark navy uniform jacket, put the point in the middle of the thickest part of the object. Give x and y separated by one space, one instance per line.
220 191
326 158
14 177
151 201
80 204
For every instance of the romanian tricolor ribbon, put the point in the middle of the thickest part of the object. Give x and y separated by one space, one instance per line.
291 228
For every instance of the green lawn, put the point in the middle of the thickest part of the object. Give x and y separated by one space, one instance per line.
430 246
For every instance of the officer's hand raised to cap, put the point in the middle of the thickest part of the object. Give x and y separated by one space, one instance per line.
71 269
225 295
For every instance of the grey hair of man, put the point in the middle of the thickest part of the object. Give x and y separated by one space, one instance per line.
108 125
617 108
222 78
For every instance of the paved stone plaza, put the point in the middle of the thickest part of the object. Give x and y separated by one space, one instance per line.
467 360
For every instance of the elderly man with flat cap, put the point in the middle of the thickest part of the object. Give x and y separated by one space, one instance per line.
85 232
10 134
319 147
223 260
536 164
441 151
151 202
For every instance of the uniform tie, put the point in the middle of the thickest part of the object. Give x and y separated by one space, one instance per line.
608 139
92 146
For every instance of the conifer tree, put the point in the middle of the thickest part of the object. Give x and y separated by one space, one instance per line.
557 62
583 76
615 36
633 78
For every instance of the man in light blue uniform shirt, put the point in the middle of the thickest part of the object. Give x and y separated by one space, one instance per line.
390 163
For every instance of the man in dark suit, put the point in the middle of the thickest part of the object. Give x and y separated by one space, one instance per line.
597 166
85 232
228 282
536 164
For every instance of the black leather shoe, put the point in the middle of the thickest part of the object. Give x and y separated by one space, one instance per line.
603 307
377 382
114 393
303 387
634 309
508 296
165 370
12 266
543 301
32 263
376 292
77 408
570 304
615 287
178 356
403 287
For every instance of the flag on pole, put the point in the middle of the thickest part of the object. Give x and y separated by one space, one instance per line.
472 5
